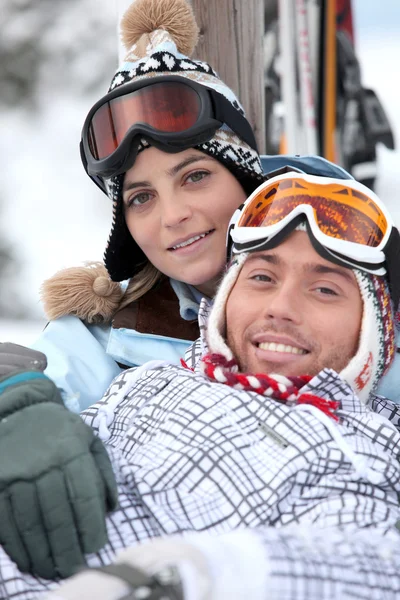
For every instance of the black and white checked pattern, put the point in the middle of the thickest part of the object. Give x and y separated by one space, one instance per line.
330 564
192 455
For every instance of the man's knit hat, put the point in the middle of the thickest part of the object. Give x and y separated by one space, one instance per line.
160 35
376 349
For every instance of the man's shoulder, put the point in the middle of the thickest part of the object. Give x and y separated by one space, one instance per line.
385 407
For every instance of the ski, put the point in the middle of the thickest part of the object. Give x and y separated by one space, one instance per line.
291 137
306 83
327 81
316 103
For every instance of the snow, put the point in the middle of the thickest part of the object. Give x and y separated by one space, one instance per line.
378 46
20 332
58 218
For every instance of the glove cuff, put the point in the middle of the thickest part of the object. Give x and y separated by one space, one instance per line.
15 359
25 389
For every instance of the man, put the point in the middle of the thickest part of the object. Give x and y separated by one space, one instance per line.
270 444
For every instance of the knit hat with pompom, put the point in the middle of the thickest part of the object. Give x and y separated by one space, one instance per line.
160 36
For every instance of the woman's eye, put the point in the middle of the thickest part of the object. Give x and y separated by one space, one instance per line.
196 176
139 199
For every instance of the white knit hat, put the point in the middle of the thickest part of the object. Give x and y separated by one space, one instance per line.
376 348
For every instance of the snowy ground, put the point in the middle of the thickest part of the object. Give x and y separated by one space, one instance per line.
20 332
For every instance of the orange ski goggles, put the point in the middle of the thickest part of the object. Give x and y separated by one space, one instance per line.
343 216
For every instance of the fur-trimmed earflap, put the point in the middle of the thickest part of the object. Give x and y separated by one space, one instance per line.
86 292
175 16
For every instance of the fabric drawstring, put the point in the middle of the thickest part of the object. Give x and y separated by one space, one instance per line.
185 365
278 387
105 415
362 469
328 407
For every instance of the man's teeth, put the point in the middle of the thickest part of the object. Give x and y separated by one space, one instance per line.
273 347
190 241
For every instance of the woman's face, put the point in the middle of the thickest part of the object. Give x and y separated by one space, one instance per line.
177 209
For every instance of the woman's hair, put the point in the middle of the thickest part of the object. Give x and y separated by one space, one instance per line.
140 284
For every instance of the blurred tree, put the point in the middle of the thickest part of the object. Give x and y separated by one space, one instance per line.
48 48
45 43
12 305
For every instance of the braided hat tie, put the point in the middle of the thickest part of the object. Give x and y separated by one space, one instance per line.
278 387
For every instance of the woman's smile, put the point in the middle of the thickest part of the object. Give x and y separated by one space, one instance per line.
177 209
190 243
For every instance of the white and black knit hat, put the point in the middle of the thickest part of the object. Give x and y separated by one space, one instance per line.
376 348
160 35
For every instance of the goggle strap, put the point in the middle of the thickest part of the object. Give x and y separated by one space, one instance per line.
226 113
97 180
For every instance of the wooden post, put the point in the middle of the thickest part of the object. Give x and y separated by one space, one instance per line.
231 40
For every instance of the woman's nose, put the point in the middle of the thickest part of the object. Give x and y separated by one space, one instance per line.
174 211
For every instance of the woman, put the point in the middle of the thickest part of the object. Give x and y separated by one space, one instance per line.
175 179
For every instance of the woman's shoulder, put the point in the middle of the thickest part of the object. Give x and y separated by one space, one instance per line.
77 359
157 313
87 293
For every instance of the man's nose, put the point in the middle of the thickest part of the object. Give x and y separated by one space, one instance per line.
174 211
284 304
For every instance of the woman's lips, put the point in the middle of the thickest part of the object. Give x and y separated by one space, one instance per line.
191 243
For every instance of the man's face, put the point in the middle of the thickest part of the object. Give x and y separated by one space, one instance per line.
292 312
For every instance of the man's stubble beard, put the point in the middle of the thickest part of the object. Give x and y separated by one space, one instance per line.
336 360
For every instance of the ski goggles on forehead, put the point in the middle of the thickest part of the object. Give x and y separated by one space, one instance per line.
345 219
173 112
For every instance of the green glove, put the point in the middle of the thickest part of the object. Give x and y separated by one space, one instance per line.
56 479
14 357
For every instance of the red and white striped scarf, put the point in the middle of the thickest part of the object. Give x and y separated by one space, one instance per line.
278 387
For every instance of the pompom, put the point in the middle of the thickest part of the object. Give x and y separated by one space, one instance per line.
85 292
174 16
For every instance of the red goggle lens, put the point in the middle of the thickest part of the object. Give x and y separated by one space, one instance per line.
169 107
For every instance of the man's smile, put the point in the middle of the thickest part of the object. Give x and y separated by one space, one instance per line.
285 348
282 344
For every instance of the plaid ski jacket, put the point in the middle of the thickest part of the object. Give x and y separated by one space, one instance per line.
190 455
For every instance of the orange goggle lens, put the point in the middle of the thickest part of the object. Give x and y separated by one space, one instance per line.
339 211
168 107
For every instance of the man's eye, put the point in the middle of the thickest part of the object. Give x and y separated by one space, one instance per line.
262 277
326 291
